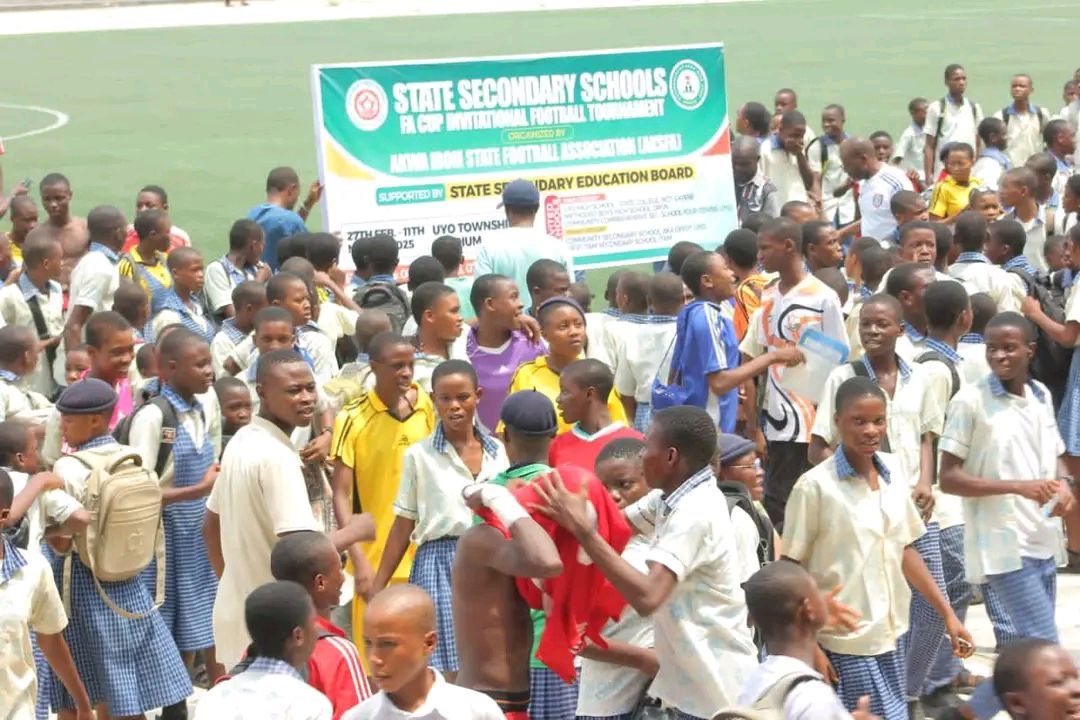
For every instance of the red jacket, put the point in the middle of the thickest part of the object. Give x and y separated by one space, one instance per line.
334 669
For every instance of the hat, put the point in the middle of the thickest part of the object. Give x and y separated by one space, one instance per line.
87 397
520 193
530 413
732 447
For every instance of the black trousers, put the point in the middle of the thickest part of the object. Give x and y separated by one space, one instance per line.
786 463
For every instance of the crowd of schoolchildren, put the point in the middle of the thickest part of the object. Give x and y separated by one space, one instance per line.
831 432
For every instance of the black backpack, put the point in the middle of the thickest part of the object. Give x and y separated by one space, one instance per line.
169 423
737 495
388 297
1051 363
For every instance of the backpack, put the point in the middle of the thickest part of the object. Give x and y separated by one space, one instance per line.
823 151
169 423
737 495
954 374
941 117
388 297
125 533
769 706
1005 115
1051 363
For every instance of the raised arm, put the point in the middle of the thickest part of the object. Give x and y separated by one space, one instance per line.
529 551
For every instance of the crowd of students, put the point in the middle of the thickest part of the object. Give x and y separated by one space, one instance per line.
770 476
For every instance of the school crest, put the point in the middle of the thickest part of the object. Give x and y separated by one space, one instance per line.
879 200
168 435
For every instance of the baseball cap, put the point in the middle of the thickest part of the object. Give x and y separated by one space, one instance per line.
518 193
530 413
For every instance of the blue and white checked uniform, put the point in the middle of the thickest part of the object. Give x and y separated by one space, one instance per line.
130 665
1068 417
431 570
158 293
550 698
920 644
172 301
190 582
879 676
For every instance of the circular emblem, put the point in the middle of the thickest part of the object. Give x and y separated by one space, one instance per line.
879 200
689 86
367 104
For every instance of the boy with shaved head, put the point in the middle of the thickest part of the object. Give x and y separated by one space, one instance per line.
878 183
399 632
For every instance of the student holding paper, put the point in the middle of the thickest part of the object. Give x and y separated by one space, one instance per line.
789 307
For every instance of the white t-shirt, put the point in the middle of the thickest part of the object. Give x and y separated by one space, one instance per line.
443 702
93 282
605 689
256 693
782 168
644 354
959 124
909 150
259 495
833 176
875 196
809 700
702 640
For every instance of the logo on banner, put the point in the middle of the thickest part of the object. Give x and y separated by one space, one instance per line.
366 104
689 86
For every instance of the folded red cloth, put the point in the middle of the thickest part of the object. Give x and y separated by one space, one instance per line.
579 602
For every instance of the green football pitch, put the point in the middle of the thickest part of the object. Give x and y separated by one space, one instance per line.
206 111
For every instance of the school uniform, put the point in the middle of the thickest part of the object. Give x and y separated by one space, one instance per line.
259 494
1035 230
644 354
1009 544
224 343
607 691
1069 414
52 447
831 511
174 310
131 665
19 403
16 301
990 166
788 417
978 273
220 278
580 449
947 122
94 279
155 279
700 634
372 442
782 168
537 375
424 364
268 688
909 150
603 337
1023 131
354 379
444 700
310 342
1065 169
336 321
812 699
190 582
432 479
837 210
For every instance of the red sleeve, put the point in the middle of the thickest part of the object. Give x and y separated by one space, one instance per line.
335 670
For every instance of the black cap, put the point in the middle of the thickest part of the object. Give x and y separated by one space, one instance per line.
530 413
87 397
732 447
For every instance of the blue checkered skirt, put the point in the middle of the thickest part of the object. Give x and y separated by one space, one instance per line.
41 667
926 630
130 665
642 417
624 716
1069 413
879 676
431 571
551 698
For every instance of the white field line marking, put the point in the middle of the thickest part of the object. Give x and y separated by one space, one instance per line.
59 120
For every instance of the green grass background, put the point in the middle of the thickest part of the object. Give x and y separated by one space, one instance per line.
205 112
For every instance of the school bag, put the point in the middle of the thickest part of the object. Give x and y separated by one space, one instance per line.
769 706
1039 113
169 422
954 374
737 496
1050 366
388 297
941 117
125 533
665 395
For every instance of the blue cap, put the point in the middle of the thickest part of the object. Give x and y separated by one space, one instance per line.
530 413
520 193
732 447
86 397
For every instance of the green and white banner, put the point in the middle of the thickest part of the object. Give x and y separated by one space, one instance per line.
629 148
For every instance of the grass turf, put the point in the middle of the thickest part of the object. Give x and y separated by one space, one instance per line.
206 111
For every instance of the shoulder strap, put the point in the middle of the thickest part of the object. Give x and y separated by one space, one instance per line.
775 696
935 356
1004 115
940 119
736 495
34 304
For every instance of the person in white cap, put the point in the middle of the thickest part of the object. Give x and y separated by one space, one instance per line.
511 250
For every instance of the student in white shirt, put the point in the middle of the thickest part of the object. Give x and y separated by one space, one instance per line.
879 182
612 679
783 159
1018 189
1061 147
248 298
282 623
909 151
242 263
95 278
1001 451
831 182
181 303
907 283
974 269
35 295
993 160
788 609
1024 121
430 510
692 590
18 358
871 528
952 119
400 635
645 347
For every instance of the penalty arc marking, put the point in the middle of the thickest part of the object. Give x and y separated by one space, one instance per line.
59 120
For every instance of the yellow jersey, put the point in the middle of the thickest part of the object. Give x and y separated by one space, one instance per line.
537 375
950 197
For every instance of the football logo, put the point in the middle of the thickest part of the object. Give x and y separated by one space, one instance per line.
367 104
